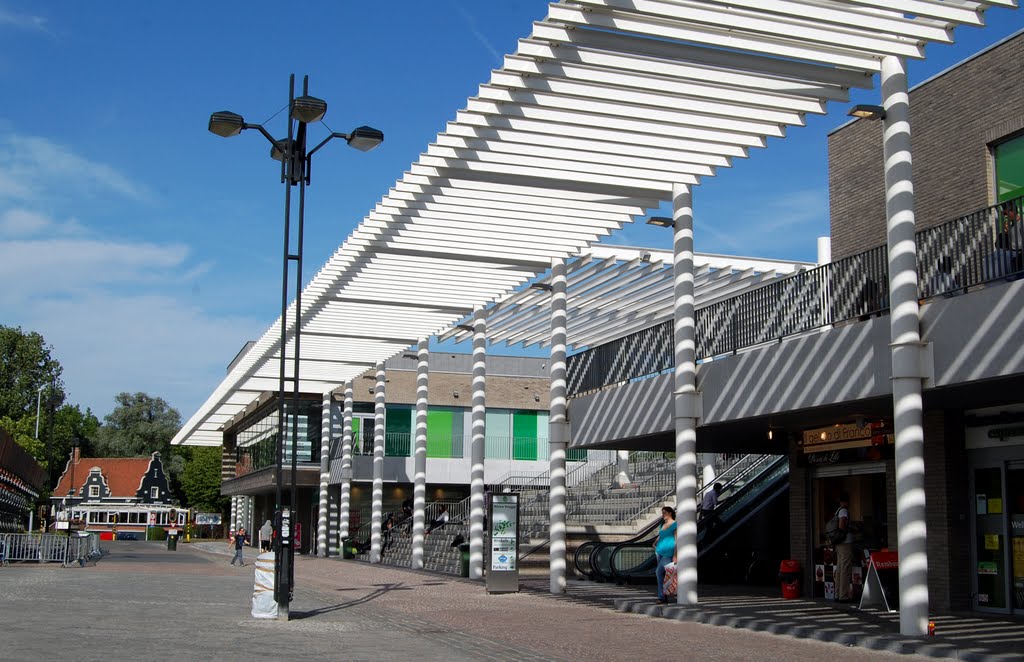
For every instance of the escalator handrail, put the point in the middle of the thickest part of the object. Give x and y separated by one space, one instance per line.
733 502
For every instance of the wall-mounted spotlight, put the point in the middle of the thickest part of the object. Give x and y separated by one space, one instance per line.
867 111
547 287
660 221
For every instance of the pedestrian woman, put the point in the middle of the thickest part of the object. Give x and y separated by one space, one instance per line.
665 548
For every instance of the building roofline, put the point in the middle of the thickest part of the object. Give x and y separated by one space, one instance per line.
945 71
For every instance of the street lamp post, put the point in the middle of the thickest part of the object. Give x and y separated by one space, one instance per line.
295 171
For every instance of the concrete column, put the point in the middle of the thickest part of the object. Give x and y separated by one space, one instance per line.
345 496
325 474
707 461
687 400
234 514
824 250
558 425
476 447
907 351
622 464
419 488
377 498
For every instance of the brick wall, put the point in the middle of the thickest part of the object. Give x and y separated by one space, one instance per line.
799 517
502 392
954 120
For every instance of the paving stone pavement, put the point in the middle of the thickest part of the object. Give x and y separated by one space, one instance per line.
144 602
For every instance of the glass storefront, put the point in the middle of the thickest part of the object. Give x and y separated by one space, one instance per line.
995 442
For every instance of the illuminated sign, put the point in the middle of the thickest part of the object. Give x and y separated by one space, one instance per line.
847 435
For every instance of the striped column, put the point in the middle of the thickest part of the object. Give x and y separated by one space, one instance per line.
558 426
687 400
476 448
377 503
419 490
345 503
325 474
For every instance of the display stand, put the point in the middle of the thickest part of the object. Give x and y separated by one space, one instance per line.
503 570
881 587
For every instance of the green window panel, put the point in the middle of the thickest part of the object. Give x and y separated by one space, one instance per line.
439 432
356 436
398 431
576 454
499 432
524 435
1010 168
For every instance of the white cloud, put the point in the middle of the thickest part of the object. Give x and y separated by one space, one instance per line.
73 266
22 21
163 345
34 168
20 222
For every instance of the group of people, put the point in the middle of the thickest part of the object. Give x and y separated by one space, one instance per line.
239 539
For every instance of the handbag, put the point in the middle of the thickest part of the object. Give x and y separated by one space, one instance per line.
671 580
833 534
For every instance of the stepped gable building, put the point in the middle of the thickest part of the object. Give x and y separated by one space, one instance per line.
131 493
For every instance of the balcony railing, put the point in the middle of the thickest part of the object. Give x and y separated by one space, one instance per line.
400 444
980 247
263 454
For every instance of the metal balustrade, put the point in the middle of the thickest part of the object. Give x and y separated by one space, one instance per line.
49 547
971 250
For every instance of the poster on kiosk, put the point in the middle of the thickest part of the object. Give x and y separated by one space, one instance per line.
503 559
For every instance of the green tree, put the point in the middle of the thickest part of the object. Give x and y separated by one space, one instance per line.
200 480
26 365
22 430
139 425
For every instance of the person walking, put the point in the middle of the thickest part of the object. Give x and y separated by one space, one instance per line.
665 548
266 536
240 539
708 508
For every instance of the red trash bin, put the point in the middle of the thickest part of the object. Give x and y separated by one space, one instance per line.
789 577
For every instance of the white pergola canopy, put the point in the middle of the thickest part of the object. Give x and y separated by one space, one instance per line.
613 291
587 125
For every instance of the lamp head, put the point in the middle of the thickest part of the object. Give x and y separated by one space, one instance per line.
226 124
660 221
279 148
308 109
365 138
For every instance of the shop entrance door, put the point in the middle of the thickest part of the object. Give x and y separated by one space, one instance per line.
990 576
1015 510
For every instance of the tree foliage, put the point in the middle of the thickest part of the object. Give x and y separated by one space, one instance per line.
200 480
25 366
139 425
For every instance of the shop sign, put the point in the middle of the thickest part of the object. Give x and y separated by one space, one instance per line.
881 586
212 519
988 568
503 515
848 435
1002 434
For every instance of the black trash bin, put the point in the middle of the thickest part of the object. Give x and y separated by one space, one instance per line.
172 541
464 561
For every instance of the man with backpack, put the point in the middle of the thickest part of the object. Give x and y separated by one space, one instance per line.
838 533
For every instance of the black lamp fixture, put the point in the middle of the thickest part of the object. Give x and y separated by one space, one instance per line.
867 111
296 162
661 221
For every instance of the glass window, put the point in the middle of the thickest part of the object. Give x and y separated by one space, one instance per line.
154 493
1009 158
94 491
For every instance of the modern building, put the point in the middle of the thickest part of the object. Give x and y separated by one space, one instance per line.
21 481
108 494
613 109
803 367
516 442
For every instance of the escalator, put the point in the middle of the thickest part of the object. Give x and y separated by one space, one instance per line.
633 561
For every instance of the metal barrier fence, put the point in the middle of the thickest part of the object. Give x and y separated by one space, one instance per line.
48 547
980 247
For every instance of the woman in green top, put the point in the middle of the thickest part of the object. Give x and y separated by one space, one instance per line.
665 548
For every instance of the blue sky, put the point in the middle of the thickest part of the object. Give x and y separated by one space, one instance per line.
147 251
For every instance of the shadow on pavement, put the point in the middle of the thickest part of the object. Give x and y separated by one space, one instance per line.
369 597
